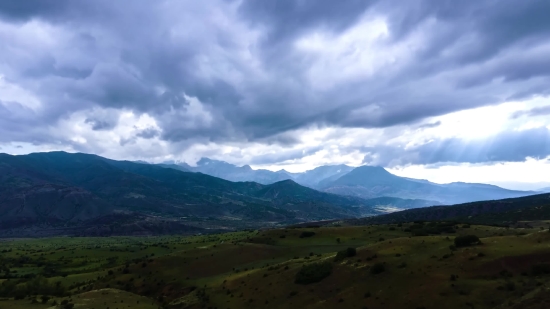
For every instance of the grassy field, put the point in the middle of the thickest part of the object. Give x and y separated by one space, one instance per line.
391 268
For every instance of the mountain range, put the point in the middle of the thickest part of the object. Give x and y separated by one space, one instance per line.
59 191
82 194
366 182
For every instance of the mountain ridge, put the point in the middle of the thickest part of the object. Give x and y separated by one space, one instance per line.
374 181
367 182
108 186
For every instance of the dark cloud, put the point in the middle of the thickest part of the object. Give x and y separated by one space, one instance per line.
148 133
243 63
430 125
287 19
98 125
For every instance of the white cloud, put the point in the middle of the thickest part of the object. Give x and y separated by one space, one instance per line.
532 173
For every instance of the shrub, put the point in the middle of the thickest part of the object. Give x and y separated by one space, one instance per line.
420 232
510 286
349 252
540 269
306 234
313 272
377 268
466 240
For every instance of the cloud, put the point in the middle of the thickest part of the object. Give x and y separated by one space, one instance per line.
430 125
507 146
148 133
99 124
254 72
537 111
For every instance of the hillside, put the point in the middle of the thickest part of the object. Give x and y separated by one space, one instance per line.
381 266
374 181
315 177
61 189
534 207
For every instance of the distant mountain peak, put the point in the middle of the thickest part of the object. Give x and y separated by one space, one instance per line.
372 168
372 171
207 161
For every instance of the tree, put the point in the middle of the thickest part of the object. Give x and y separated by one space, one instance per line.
313 272
349 252
377 268
466 240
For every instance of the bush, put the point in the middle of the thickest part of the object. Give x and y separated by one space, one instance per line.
349 252
466 240
314 272
377 268
420 232
307 234
540 269
510 286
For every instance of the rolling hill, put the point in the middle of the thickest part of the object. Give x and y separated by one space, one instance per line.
534 207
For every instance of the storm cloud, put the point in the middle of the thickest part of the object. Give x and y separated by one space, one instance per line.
254 72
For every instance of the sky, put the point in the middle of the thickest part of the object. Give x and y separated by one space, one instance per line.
439 90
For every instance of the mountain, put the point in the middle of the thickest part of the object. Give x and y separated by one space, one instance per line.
547 189
533 207
232 172
374 181
64 190
313 178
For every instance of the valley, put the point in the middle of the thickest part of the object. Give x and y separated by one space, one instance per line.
83 231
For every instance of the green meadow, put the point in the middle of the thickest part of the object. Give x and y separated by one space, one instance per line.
412 265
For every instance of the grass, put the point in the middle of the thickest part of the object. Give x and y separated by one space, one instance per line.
258 269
